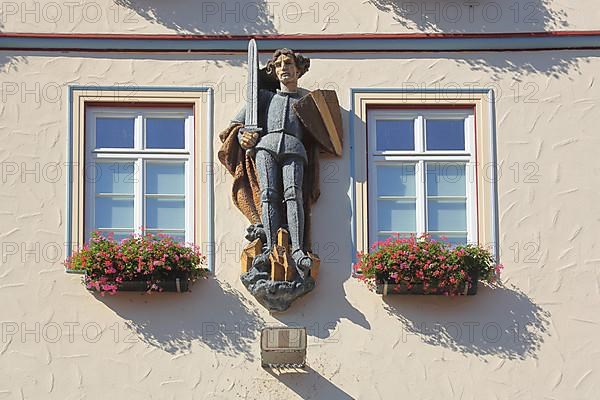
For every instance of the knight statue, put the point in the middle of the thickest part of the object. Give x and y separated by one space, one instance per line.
279 133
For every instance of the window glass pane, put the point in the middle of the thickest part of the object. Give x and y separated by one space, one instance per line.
396 215
114 177
114 212
165 133
446 215
117 235
454 239
114 132
445 179
122 235
177 236
395 134
165 178
396 180
165 213
445 134
399 235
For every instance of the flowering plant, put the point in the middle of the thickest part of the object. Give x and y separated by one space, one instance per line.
435 265
151 258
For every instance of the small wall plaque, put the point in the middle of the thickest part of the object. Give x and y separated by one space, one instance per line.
283 347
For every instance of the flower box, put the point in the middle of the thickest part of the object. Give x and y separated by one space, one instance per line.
388 288
422 265
179 284
137 263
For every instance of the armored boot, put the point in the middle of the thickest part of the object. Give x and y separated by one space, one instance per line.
271 220
295 215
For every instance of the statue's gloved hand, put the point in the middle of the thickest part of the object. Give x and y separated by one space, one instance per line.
248 140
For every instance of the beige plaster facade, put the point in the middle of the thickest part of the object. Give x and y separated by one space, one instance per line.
190 345
297 17
533 337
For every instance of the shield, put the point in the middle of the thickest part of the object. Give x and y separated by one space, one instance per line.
319 112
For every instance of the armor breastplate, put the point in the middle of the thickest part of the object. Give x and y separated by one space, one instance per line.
282 130
280 117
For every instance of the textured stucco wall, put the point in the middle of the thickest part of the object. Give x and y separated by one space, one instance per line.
68 344
298 16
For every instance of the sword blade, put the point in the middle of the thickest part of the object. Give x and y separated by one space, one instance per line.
251 120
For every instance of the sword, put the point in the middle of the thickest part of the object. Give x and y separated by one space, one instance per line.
251 119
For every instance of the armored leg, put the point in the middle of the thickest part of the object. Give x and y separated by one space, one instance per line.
269 179
293 171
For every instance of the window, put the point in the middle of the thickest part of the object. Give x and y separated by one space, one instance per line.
421 179
423 160
139 171
138 157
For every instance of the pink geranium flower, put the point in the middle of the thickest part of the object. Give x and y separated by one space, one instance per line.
434 264
106 262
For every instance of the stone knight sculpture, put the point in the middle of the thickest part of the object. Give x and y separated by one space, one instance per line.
280 154
276 164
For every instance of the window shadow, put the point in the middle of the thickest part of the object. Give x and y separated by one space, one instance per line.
212 313
309 384
206 17
500 321
518 66
523 64
10 63
475 16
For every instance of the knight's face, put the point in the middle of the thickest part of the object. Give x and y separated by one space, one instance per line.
286 69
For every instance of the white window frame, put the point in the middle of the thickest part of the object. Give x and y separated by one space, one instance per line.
139 155
419 156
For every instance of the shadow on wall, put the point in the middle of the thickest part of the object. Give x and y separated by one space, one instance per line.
206 17
324 308
474 16
489 16
213 313
309 384
512 67
524 63
499 321
255 17
11 63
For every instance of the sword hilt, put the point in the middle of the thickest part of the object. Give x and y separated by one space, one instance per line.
252 129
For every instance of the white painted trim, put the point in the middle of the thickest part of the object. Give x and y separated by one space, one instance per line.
421 189
101 154
138 203
420 156
495 224
210 192
190 193
365 99
138 155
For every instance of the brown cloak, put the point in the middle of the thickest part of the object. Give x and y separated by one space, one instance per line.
245 190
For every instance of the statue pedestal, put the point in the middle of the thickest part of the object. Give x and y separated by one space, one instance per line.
282 266
277 282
